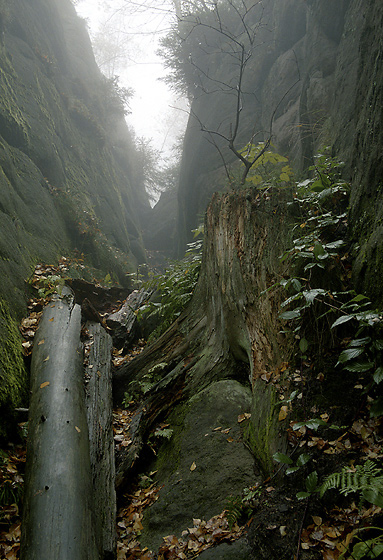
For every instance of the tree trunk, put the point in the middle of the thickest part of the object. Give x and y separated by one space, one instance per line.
59 520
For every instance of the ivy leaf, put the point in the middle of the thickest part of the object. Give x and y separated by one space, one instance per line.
303 495
291 299
303 459
289 315
349 354
378 375
317 186
291 470
358 298
376 408
334 244
312 482
296 284
319 252
303 345
341 320
359 367
310 295
360 342
282 458
304 183
373 496
312 424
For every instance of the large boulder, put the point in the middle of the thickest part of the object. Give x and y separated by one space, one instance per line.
204 462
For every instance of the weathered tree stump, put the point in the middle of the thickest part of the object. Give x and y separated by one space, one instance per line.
228 331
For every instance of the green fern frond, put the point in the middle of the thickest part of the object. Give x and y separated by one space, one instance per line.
234 509
366 479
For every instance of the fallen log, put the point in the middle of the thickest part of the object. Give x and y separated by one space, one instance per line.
59 520
98 376
123 323
103 299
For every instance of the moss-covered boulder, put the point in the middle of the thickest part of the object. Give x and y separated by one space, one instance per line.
238 550
204 462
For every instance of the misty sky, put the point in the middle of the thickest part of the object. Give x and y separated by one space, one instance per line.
151 115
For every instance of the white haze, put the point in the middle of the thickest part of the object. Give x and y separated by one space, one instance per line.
152 113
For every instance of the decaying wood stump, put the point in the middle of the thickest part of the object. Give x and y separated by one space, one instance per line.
229 330
62 519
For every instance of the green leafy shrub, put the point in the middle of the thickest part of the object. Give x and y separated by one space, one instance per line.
270 169
319 279
175 287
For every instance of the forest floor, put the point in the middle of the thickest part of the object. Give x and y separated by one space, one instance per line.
327 527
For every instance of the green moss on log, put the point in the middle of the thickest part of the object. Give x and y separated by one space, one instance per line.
13 376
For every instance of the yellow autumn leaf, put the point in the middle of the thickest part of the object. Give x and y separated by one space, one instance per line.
243 417
283 413
193 466
78 429
45 384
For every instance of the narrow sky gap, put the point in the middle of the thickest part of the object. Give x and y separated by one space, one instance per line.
154 114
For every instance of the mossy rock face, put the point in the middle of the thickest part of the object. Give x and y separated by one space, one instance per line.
222 468
62 132
31 228
13 377
67 175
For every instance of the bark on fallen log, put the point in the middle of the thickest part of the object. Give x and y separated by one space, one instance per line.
103 299
99 413
58 521
123 322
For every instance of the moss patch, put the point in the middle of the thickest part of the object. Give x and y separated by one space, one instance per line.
262 434
13 377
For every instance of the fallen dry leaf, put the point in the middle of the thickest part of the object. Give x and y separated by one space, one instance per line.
193 466
244 416
283 413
